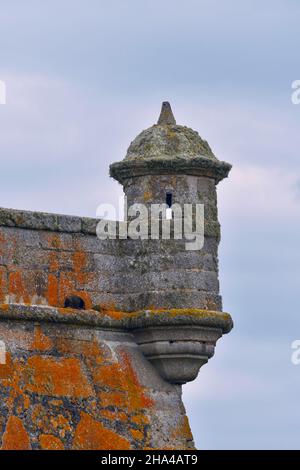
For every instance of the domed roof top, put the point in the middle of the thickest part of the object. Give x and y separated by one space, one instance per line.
167 148
166 139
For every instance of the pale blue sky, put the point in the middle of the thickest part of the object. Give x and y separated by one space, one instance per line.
83 78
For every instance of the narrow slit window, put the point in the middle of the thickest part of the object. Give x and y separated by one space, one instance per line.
169 205
169 199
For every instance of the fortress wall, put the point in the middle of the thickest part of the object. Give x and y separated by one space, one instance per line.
80 386
78 379
45 257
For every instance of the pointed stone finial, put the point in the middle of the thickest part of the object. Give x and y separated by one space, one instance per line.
166 114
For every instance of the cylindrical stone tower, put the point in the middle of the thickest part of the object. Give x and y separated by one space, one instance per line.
170 164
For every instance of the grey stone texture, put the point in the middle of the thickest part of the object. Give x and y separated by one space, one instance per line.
168 148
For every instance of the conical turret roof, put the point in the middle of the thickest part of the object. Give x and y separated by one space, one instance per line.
169 148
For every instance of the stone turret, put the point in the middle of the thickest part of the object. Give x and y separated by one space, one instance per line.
171 164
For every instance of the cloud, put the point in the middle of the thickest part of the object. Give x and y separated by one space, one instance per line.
51 144
237 401
245 194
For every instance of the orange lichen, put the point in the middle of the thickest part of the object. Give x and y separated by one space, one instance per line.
137 397
79 261
58 377
67 287
183 431
112 313
52 294
61 424
109 376
76 281
115 378
114 415
49 442
125 393
136 434
6 370
26 401
111 398
66 272
122 377
16 287
56 402
40 341
3 283
93 353
4 307
92 435
53 261
15 436
13 381
140 419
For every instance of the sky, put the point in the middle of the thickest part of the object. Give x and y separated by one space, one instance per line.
84 78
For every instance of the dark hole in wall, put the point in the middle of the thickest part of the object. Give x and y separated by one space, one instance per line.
73 301
169 199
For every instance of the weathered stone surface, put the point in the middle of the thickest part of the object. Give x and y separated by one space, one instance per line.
161 141
113 319
44 221
166 115
106 395
42 267
171 298
197 166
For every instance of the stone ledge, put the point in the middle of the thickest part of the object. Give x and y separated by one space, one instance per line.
176 342
109 319
71 224
197 166
45 221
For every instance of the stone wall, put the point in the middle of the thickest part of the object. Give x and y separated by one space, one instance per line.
45 258
105 377
81 382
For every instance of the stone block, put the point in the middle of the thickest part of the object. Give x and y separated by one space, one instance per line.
111 263
67 223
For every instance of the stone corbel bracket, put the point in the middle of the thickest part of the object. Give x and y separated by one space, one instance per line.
176 341
178 352
179 342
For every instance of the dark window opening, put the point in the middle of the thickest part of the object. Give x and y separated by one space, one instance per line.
169 199
73 301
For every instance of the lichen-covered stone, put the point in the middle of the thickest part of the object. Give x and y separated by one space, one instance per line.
81 388
165 141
